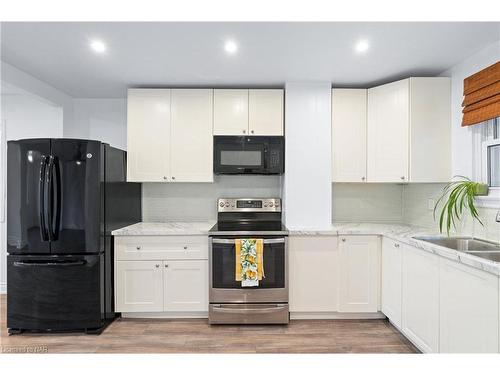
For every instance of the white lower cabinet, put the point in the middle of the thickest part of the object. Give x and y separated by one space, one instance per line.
313 270
139 286
468 317
185 285
420 302
359 274
152 276
392 260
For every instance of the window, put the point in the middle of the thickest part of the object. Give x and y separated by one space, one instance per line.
487 154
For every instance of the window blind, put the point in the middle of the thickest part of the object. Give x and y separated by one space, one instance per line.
482 96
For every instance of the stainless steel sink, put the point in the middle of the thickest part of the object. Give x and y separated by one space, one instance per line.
473 246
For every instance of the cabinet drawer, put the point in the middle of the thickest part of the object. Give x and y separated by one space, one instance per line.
161 247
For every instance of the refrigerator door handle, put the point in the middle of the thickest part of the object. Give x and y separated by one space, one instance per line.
42 208
50 264
50 198
56 223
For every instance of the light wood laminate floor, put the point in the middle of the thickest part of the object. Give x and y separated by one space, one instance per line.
197 336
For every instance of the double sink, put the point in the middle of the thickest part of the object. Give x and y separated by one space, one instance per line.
473 246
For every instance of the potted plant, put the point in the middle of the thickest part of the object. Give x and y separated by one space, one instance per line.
458 197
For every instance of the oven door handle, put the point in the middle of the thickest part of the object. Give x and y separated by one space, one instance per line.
253 310
231 241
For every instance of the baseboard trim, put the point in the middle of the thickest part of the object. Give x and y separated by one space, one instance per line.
166 315
335 315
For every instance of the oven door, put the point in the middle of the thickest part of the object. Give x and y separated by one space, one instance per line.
223 285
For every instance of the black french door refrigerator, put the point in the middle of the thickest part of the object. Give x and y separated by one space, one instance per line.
64 197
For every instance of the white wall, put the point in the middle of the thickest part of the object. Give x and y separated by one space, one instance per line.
307 184
461 138
100 119
30 108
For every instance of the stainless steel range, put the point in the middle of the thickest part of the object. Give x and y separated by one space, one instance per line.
230 302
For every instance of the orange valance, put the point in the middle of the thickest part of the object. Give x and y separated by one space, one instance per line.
482 96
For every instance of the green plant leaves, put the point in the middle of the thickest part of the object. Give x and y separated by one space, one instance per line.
458 196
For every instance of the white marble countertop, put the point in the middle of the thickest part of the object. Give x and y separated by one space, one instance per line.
171 228
396 231
404 234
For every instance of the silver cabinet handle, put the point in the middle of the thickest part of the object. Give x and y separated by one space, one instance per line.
228 241
244 132
173 178
164 177
157 265
166 265
185 247
402 177
363 178
138 248
396 245
251 132
343 239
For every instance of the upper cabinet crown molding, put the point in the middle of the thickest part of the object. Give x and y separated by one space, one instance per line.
408 132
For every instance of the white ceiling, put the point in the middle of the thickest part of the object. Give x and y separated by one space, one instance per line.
270 54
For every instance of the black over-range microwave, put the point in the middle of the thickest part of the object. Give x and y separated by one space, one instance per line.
249 155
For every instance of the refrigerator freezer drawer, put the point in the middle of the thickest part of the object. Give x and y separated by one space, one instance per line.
55 292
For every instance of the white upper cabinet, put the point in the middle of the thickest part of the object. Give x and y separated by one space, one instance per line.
230 112
191 145
420 298
430 129
265 111
391 280
388 130
349 135
359 273
468 310
148 135
409 131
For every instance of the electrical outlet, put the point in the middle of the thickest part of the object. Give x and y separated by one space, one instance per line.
431 202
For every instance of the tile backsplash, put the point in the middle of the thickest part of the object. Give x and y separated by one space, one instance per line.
197 201
407 204
367 202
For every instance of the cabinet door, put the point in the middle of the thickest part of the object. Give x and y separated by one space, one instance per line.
388 132
139 286
185 285
148 135
313 264
420 316
359 262
468 313
391 280
230 112
265 112
191 144
348 135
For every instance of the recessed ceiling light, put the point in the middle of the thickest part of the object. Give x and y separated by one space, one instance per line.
362 46
230 47
98 46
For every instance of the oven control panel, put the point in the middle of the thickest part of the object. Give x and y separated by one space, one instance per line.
249 205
